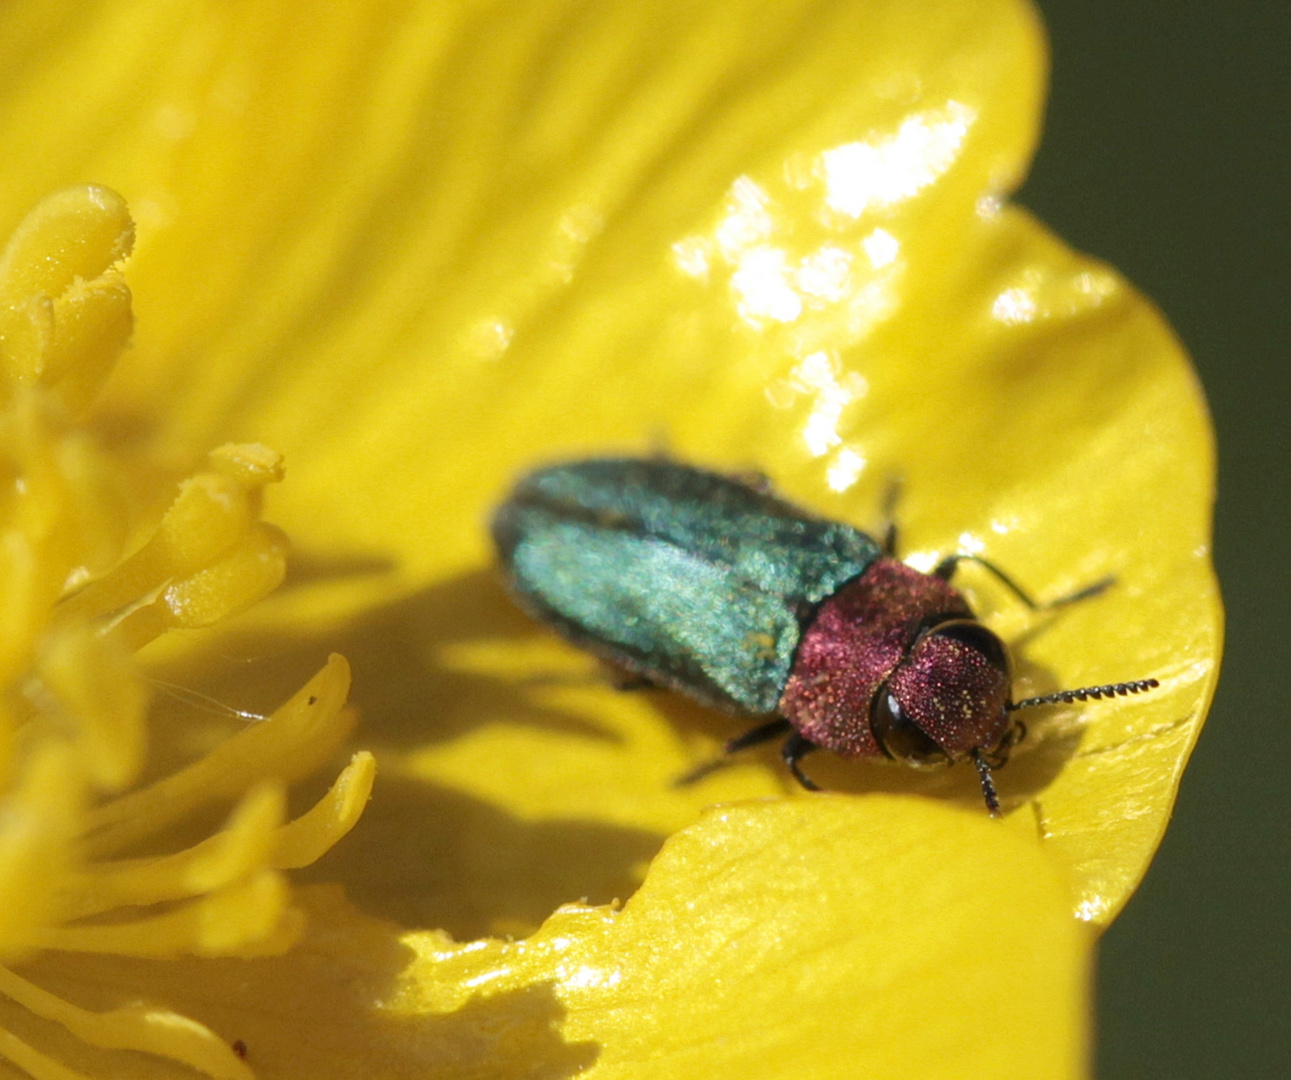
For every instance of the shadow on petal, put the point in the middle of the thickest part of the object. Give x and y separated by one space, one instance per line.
432 665
329 1009
426 856
513 778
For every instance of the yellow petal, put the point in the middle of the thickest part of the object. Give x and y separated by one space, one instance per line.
863 936
785 250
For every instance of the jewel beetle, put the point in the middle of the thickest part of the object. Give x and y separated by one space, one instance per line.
715 587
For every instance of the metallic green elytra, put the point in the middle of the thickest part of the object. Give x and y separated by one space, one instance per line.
716 588
695 580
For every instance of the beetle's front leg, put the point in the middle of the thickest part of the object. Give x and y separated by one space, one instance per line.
795 749
760 734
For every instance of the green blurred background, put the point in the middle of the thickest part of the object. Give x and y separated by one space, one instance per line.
1167 152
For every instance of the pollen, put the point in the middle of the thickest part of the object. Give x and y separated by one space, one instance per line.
96 563
762 643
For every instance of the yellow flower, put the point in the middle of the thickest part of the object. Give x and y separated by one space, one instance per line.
417 249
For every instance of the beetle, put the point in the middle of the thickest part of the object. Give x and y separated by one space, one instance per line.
715 587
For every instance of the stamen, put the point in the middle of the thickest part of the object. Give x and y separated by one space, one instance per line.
154 1031
37 1065
188 696
39 824
91 687
239 851
237 580
89 573
303 841
249 919
295 740
64 305
210 518
254 839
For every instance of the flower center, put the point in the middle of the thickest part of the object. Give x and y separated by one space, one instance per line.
87 578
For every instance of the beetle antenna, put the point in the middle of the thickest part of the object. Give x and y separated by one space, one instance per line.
988 783
1066 697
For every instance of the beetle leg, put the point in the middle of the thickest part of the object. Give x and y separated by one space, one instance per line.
998 756
891 497
946 570
624 678
795 748
1082 593
760 734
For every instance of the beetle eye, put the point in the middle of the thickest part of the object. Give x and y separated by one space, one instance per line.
897 735
978 638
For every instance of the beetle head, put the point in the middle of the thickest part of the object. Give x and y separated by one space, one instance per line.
948 698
